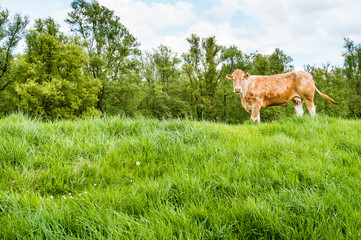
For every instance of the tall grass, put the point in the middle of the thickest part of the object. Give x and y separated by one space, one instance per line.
295 178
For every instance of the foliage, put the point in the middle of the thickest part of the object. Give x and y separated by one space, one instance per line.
353 73
12 30
295 178
162 86
51 82
331 80
200 66
279 62
113 54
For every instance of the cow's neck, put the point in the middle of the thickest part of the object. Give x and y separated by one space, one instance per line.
245 84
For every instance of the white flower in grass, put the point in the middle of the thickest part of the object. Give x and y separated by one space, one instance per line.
138 163
51 197
95 184
70 193
80 194
85 192
64 197
71 196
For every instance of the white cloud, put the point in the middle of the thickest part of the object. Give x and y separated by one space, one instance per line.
221 11
310 31
56 4
59 16
151 23
177 43
225 34
157 15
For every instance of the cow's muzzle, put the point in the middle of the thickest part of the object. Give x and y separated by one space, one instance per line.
237 89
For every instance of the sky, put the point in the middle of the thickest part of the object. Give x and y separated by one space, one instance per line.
310 31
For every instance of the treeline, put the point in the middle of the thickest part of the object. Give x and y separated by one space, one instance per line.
99 69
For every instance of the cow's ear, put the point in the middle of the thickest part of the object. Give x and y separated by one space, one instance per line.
246 76
229 77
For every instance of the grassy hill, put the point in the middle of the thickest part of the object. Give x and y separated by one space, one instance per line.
120 178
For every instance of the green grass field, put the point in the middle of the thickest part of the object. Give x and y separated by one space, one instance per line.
294 178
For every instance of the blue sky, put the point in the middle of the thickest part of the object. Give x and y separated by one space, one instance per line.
309 31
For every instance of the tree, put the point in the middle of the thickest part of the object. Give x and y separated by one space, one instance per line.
211 61
260 64
113 54
201 68
352 70
192 69
12 30
279 62
333 82
162 85
352 64
50 75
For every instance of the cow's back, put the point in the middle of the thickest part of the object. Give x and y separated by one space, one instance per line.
279 89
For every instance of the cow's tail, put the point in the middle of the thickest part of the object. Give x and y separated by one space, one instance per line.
327 97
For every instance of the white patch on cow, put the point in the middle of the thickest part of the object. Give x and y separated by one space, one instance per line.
312 111
299 109
258 117
281 88
246 86
304 80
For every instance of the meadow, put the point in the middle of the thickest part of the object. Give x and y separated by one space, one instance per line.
123 178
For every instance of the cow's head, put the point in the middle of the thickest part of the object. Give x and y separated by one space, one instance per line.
238 77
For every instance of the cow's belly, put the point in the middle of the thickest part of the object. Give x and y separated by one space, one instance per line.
273 103
275 99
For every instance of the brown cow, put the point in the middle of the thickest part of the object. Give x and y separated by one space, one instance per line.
258 92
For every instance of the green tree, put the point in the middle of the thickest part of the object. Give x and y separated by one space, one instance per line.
192 69
12 30
352 70
352 64
50 75
201 68
211 61
260 64
113 52
279 62
233 58
333 82
162 85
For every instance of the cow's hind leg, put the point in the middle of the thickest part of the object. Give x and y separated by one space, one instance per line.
255 115
310 107
297 103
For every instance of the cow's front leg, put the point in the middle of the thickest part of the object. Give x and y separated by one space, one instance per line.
255 115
